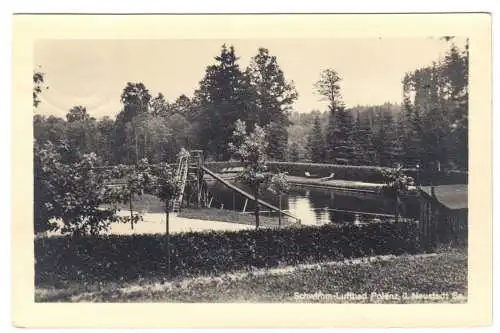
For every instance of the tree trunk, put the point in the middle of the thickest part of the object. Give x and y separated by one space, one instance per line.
257 209
131 214
167 213
279 213
136 147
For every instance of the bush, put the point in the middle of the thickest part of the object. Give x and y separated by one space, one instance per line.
369 174
125 258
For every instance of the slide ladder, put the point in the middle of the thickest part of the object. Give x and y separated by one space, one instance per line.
182 172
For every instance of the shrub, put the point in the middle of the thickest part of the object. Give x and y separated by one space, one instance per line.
125 258
69 188
369 174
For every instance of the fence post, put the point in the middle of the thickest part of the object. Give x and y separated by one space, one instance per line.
245 206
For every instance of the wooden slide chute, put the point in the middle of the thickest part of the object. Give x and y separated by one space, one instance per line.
246 194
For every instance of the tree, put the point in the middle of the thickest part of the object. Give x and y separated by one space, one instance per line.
436 111
74 193
328 87
383 137
224 96
77 113
80 132
293 153
273 98
49 128
316 144
166 186
455 75
339 145
137 181
105 139
136 100
338 132
277 139
250 149
159 106
363 149
279 185
300 128
38 86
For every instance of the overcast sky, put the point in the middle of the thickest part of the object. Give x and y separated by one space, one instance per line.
93 73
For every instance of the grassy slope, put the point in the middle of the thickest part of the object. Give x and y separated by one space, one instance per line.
441 273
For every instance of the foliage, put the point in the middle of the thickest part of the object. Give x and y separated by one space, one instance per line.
396 184
328 87
363 146
224 97
165 184
38 86
436 112
77 113
72 192
424 275
273 98
135 98
316 143
352 172
250 149
138 179
279 183
116 258
293 152
430 128
277 139
338 136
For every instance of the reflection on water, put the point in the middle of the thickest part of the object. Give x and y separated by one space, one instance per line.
318 206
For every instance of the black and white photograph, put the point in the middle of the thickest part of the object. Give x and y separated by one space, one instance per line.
251 170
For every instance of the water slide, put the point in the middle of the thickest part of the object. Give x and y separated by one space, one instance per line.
246 194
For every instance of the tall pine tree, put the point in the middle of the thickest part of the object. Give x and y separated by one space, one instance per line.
339 129
273 98
315 143
224 97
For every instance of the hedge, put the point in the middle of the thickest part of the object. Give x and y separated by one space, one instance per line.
61 260
369 174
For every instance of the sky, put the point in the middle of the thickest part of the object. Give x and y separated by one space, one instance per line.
93 73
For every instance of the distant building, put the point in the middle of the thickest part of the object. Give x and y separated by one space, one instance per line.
443 214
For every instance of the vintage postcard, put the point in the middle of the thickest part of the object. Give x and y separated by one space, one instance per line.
252 170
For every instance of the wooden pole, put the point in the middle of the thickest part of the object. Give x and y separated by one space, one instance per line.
279 214
245 206
257 210
131 214
168 240
234 206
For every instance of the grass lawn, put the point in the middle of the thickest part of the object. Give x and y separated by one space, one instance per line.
371 280
214 214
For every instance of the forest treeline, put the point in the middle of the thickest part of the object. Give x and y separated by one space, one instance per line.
429 127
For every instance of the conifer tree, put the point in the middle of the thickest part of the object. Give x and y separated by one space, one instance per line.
315 143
